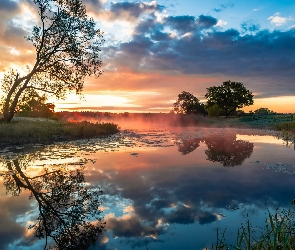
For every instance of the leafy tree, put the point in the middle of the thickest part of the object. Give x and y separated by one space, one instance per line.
36 107
264 111
67 51
188 104
229 97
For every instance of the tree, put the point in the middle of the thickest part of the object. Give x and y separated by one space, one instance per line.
229 97
188 104
264 111
67 51
36 106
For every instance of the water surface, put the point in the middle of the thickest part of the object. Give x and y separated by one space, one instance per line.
164 189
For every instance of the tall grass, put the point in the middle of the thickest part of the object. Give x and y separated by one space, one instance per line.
286 126
278 233
46 131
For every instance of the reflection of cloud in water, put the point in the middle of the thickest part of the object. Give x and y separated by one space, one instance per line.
160 189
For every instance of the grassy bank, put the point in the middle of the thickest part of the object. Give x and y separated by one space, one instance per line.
25 131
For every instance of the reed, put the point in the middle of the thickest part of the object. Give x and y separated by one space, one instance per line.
47 131
278 233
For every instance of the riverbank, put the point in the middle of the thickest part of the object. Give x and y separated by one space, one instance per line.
23 131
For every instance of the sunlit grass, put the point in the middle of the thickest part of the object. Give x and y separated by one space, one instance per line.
46 131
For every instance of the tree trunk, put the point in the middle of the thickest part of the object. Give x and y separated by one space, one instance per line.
9 110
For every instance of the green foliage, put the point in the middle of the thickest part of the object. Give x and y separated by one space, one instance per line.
229 97
264 111
87 129
286 126
188 104
67 47
213 111
47 131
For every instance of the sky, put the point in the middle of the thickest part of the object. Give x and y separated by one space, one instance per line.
154 50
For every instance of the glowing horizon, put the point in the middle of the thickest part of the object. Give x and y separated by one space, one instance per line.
154 50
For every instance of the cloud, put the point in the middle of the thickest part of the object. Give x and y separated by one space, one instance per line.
207 21
94 5
129 11
8 9
223 7
277 20
135 9
249 27
201 49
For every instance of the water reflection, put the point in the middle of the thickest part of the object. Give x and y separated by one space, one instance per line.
153 195
222 148
189 146
227 150
68 209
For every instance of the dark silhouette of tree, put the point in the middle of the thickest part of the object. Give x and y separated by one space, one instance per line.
227 150
188 146
264 111
229 97
188 104
67 50
36 106
66 206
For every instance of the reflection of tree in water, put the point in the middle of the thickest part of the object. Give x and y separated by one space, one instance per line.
68 210
227 150
188 146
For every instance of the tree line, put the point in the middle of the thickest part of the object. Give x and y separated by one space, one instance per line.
221 100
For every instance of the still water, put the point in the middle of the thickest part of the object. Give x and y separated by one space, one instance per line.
155 189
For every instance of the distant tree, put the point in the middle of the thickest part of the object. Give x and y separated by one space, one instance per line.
229 97
264 111
188 104
67 50
36 106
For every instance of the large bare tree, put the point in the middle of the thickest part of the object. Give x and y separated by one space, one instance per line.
67 46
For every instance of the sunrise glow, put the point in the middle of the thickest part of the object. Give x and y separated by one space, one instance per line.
154 50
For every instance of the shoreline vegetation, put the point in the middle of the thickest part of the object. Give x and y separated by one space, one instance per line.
23 130
67 126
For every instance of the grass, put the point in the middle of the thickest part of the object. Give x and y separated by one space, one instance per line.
278 233
286 126
46 131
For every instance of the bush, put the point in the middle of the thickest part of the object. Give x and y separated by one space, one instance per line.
214 111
